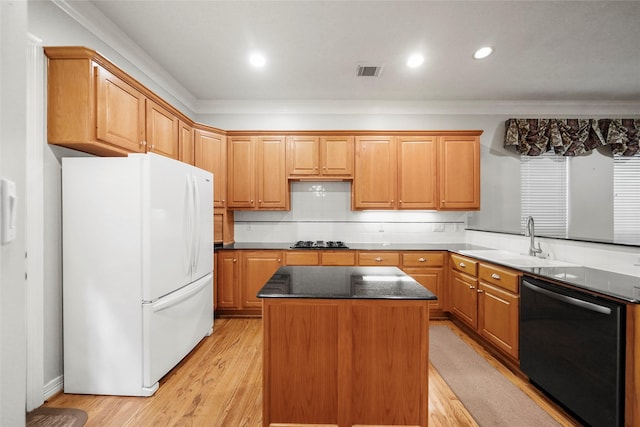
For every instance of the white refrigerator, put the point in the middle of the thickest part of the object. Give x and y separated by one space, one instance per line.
137 270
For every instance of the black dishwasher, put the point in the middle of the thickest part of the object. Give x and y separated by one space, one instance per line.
572 346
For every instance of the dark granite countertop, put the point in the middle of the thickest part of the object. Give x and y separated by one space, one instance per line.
359 246
344 283
620 286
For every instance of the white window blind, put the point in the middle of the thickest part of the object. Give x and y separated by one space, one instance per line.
543 187
626 199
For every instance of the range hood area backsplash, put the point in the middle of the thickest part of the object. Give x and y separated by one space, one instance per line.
322 210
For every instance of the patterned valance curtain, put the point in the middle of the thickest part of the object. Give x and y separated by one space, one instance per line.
571 137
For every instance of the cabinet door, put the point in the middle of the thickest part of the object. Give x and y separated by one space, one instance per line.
303 156
120 113
430 278
241 172
211 155
257 269
417 172
228 283
459 172
463 298
498 318
336 156
162 131
374 183
338 258
272 181
379 258
185 143
301 258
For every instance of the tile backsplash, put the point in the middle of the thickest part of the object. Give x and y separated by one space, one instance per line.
322 211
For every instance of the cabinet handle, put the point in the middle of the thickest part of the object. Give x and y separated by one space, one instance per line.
259 201
234 260
378 259
495 276
462 265
151 147
279 260
422 260
471 287
143 143
479 291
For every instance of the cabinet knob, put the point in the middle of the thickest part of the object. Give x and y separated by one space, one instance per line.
143 143
471 287
462 265
479 291
422 260
234 260
151 147
495 276
378 259
259 201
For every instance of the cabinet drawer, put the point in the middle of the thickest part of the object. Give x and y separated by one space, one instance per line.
301 258
337 258
464 264
505 279
379 258
422 259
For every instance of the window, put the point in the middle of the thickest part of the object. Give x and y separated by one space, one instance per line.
626 199
543 188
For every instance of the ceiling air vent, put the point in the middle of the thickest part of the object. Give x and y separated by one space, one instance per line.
369 70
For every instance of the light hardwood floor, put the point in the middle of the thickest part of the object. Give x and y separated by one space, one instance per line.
220 384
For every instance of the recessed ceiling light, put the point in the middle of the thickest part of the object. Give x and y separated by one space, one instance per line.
483 52
415 60
257 60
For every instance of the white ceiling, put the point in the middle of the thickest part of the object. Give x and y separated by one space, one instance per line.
543 50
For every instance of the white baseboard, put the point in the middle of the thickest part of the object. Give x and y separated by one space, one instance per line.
53 387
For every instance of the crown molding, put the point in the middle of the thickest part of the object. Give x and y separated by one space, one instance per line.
373 107
90 17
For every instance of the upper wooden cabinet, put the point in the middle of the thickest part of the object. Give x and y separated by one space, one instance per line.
95 107
257 176
417 162
162 131
185 143
211 155
320 157
459 172
428 171
374 184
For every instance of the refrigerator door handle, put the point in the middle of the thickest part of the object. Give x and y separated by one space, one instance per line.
196 222
178 296
188 226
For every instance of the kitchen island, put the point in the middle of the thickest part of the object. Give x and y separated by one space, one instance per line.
345 346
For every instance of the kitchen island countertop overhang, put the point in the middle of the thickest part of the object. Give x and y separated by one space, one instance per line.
344 283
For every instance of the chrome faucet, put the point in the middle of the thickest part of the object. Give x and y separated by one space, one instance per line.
533 251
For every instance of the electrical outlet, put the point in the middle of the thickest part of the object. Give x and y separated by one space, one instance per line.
438 228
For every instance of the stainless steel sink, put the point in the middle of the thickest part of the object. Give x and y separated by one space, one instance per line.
514 259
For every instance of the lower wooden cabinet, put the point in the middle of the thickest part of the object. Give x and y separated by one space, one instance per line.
487 301
256 269
228 265
427 268
241 274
